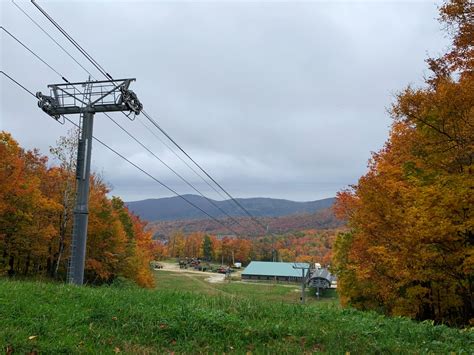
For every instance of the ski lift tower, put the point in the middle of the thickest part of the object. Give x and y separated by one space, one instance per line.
86 99
304 274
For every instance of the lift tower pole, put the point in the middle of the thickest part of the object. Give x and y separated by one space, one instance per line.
86 98
304 274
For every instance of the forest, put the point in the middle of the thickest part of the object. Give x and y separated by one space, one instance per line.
36 216
302 246
410 248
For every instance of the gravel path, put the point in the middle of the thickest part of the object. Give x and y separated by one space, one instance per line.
213 277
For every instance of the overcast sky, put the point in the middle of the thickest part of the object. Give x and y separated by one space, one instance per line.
274 99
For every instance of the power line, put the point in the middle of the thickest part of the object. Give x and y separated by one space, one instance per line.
132 163
102 70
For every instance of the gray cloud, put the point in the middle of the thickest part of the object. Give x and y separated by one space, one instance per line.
279 99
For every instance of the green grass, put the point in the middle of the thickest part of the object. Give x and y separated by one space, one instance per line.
264 291
68 319
195 282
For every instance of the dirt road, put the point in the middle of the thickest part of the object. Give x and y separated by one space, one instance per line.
212 277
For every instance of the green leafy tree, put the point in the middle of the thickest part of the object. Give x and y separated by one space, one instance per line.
207 248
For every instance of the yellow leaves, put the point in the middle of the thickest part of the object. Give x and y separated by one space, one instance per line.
412 245
36 209
32 337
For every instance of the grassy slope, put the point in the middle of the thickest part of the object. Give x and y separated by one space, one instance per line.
187 317
195 282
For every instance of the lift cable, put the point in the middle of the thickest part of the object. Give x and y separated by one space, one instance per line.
79 48
174 171
145 126
29 50
180 158
100 68
136 140
202 169
17 83
132 163
51 37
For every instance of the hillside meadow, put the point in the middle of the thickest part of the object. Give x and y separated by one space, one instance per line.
185 314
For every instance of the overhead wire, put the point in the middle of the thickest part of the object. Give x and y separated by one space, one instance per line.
202 169
158 181
29 50
79 48
130 162
182 160
102 70
17 83
133 137
52 38
146 127
174 171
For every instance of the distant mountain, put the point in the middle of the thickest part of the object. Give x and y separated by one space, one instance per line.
320 220
175 208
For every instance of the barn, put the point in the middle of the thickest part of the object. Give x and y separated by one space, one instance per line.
273 271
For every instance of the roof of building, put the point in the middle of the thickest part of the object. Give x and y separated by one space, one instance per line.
269 268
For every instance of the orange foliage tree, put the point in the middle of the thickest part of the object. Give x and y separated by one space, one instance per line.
35 221
411 248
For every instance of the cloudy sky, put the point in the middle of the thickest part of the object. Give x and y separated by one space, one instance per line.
274 99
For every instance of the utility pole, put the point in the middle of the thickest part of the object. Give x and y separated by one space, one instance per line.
303 268
86 98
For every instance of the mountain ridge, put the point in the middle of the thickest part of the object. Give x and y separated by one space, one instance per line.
176 208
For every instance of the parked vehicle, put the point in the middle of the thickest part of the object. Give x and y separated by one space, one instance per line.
223 270
157 266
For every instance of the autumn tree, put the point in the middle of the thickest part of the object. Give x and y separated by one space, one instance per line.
410 251
193 245
65 152
26 215
176 244
36 225
207 248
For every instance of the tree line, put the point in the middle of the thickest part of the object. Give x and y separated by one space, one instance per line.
36 217
302 246
410 250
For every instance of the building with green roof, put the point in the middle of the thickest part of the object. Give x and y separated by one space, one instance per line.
274 271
